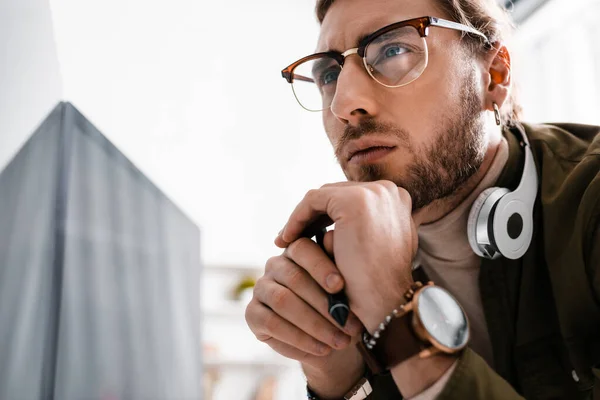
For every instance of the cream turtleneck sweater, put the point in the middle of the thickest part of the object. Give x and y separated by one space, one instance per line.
447 258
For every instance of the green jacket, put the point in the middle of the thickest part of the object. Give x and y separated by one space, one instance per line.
543 310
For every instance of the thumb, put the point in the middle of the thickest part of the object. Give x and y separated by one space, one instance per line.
328 243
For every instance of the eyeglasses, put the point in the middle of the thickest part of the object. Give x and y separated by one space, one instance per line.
393 56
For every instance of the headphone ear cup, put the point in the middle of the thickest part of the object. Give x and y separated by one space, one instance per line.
513 226
480 230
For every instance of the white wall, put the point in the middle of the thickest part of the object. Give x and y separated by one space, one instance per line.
30 80
191 92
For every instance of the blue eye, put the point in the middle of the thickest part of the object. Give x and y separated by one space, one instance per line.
329 76
392 51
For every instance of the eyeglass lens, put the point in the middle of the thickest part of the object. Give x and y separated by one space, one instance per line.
395 58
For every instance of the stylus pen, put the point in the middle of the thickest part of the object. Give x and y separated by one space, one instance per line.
338 302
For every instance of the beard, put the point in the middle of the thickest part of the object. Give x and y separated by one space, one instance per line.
440 169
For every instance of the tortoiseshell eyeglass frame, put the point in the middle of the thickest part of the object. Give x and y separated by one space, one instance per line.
421 24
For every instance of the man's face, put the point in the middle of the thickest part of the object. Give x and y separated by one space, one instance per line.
428 136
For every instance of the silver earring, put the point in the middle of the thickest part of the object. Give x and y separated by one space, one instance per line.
497 114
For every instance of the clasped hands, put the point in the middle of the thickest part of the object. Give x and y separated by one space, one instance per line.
373 245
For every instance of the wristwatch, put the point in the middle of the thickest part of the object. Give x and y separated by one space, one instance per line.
430 322
360 391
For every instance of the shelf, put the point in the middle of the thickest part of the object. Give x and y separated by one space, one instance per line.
236 269
250 364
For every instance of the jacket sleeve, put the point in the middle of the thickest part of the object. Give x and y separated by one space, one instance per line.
593 263
474 379
471 379
594 273
432 392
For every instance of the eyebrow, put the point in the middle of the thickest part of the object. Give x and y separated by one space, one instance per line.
361 38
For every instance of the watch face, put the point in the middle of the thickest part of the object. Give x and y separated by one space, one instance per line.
443 318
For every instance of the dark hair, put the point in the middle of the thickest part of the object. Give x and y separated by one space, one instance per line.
488 17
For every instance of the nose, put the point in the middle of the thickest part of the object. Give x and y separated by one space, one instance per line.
354 97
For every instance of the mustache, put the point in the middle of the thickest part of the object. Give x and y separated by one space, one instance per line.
370 126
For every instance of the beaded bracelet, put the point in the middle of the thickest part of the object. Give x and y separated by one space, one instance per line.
370 341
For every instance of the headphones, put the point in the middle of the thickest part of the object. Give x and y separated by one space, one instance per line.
500 221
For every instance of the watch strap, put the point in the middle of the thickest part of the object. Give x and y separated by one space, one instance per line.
372 363
360 391
398 342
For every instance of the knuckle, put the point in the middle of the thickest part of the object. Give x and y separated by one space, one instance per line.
298 247
377 187
361 192
404 195
388 186
272 264
253 318
263 337
248 314
258 287
279 297
361 196
294 277
311 193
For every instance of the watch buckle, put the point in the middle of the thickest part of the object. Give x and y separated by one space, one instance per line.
360 391
429 352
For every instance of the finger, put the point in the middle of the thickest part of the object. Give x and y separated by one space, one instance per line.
291 352
266 324
297 279
328 244
279 242
308 255
294 310
315 203
320 222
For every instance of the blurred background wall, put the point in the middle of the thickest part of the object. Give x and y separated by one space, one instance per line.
557 62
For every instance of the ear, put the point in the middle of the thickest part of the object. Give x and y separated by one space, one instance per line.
498 76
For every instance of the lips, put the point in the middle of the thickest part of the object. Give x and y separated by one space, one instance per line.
371 154
367 148
370 149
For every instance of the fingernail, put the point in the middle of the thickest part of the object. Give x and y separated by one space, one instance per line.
333 281
322 348
341 340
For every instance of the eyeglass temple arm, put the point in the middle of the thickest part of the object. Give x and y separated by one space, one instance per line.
297 77
442 23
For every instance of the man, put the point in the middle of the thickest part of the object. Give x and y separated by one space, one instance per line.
416 101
